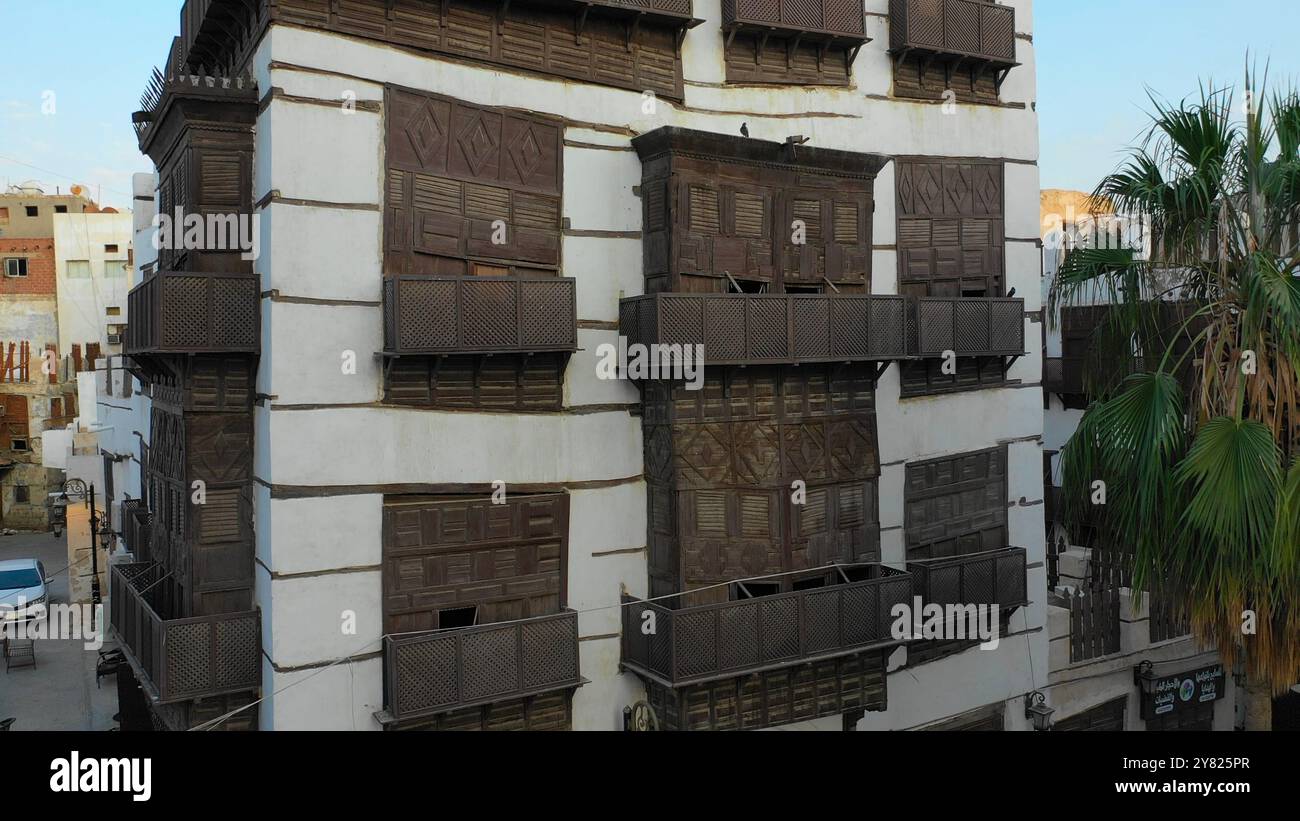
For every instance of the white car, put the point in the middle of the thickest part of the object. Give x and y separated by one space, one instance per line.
24 590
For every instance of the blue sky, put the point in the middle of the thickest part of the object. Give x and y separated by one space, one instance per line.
1095 58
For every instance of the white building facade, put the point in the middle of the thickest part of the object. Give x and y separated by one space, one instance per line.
95 271
431 505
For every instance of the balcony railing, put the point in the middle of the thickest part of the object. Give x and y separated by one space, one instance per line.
190 312
995 577
448 315
754 329
444 670
667 12
967 326
749 329
807 17
137 523
709 642
976 29
182 659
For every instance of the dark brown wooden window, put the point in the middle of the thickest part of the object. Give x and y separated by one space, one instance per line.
1108 717
445 554
721 461
622 43
14 425
468 184
951 243
805 42
1078 325
951 49
956 505
737 224
504 382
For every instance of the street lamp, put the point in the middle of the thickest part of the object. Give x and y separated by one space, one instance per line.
1037 711
78 489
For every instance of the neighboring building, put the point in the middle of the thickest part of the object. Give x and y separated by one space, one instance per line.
1115 652
422 506
31 401
94 269
38 391
27 212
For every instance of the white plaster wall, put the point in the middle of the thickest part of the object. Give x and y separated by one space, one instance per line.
315 535
372 446
305 620
343 696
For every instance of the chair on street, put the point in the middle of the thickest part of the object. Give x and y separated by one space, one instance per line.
19 653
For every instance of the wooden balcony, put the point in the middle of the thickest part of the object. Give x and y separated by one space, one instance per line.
967 326
755 329
662 12
752 329
445 670
137 525
191 312
976 30
182 659
735 638
1063 375
814 20
459 315
994 577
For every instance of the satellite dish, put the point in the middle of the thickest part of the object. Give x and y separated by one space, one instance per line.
77 190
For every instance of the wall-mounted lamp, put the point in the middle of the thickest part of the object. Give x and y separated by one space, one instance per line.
1037 711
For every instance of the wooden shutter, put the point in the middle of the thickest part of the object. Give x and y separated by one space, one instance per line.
455 173
507 560
956 505
951 238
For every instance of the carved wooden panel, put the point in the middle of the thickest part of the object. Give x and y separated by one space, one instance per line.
544 713
926 377
779 233
752 58
220 447
531 37
774 698
719 208
508 383
467 182
956 505
951 242
206 170
220 383
951 238
720 463
467 558
919 78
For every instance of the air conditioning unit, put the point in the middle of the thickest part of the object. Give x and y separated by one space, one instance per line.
115 339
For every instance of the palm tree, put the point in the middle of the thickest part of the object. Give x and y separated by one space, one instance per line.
1195 426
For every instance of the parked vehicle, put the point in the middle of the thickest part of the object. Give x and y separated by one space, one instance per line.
24 590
